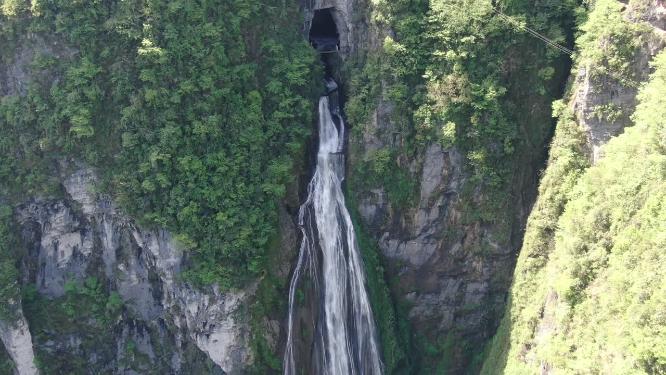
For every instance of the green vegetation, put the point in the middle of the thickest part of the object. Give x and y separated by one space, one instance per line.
588 292
6 363
193 111
12 7
608 254
609 42
450 71
63 317
567 162
69 339
10 290
379 168
440 355
455 73
269 303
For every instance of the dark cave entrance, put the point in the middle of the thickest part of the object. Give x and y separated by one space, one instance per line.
324 35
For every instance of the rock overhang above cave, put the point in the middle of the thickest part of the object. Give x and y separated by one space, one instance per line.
324 35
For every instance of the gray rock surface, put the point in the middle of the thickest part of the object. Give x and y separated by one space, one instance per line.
604 105
452 271
142 265
353 29
18 343
16 73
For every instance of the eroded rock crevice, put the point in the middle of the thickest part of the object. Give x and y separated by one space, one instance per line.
84 235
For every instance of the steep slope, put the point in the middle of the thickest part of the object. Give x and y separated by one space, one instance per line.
107 297
588 286
450 109
154 149
185 123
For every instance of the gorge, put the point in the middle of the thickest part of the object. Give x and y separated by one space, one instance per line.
177 196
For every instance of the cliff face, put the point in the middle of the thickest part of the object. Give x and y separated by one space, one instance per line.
578 274
454 290
170 324
16 337
77 247
603 103
448 269
108 294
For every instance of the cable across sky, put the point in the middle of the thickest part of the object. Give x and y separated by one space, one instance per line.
534 33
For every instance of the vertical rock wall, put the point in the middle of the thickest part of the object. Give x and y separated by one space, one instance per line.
451 272
85 235
16 337
535 318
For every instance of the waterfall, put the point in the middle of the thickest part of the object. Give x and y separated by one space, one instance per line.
345 337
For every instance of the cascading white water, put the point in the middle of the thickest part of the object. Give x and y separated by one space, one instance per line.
345 338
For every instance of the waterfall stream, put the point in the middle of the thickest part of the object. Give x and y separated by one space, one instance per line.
345 337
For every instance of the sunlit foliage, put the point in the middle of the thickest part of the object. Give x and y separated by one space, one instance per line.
192 111
588 287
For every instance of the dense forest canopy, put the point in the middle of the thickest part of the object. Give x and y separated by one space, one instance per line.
193 112
605 258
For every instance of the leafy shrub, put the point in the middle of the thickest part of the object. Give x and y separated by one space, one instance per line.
10 291
193 111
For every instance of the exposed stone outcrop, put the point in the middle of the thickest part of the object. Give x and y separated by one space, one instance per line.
604 104
16 72
352 28
440 181
427 246
454 272
73 235
451 270
448 284
83 234
18 343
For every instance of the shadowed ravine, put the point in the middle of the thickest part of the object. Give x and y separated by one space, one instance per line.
345 338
